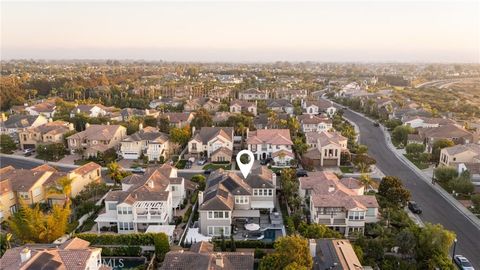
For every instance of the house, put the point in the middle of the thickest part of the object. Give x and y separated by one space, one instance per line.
127 113
263 120
318 106
291 94
450 132
468 153
165 101
271 143
325 148
202 256
239 106
280 105
333 254
310 122
143 201
228 197
18 122
216 143
47 109
51 132
95 139
426 122
338 203
147 141
221 117
178 120
473 169
73 254
90 110
253 94
209 104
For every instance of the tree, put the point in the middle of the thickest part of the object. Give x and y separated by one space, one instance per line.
32 225
438 146
445 174
162 246
406 241
164 124
202 119
366 180
180 135
116 173
5 239
150 121
7 145
433 245
463 183
476 201
289 183
51 152
415 149
200 180
362 149
363 162
393 123
316 231
400 134
299 146
63 186
233 247
392 190
291 252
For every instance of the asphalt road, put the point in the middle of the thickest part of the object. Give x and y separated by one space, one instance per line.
436 209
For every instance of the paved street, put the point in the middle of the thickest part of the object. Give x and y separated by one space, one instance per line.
435 208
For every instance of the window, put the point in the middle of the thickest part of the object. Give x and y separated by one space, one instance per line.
218 230
112 206
370 212
125 226
37 191
173 188
241 199
11 196
218 215
194 146
263 192
356 215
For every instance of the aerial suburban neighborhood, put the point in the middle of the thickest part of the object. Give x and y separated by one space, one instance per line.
111 162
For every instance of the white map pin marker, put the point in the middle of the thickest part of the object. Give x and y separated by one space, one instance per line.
245 168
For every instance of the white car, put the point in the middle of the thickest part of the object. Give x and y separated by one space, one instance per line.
463 263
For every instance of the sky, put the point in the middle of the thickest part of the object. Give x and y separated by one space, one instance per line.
243 31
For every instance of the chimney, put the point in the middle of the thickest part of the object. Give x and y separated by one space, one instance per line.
87 125
200 197
193 130
50 120
331 188
313 247
25 255
71 126
108 123
151 184
140 126
219 260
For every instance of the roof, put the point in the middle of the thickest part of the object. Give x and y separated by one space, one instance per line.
55 127
208 133
222 150
21 121
151 186
270 136
430 120
325 138
84 169
313 119
147 134
330 252
458 149
202 257
176 117
98 132
44 107
321 103
447 131
328 191
273 103
86 108
252 91
22 180
72 255
242 103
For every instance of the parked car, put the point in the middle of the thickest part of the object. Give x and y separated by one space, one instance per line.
208 171
188 164
463 263
302 173
413 206
376 124
28 152
138 170
202 161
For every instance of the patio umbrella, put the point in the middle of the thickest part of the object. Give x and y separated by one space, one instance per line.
252 227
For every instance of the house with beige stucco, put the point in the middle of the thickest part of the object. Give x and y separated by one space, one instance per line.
325 148
51 132
215 143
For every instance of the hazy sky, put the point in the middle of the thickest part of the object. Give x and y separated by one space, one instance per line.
446 31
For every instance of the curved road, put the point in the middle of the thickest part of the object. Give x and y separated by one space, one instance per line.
436 209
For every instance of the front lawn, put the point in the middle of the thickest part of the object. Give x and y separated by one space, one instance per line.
346 169
420 164
213 166
181 164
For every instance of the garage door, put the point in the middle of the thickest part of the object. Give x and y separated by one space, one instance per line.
329 162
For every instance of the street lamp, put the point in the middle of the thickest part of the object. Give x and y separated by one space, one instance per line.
454 247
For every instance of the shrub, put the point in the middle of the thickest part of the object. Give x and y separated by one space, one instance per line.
162 246
258 253
131 251
187 214
445 174
133 239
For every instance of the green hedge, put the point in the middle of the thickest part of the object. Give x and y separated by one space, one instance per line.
133 239
187 214
130 251
244 244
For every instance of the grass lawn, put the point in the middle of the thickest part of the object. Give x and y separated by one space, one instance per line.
181 164
346 169
214 166
417 163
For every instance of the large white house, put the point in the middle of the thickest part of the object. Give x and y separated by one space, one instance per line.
318 106
325 148
271 143
148 141
314 123
215 143
144 200
338 203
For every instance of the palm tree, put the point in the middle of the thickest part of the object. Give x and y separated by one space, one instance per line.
115 172
63 186
366 180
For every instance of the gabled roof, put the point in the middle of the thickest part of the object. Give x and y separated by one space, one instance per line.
152 135
208 133
447 131
97 132
270 136
273 103
243 103
21 121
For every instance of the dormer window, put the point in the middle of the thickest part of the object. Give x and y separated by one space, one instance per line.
151 184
